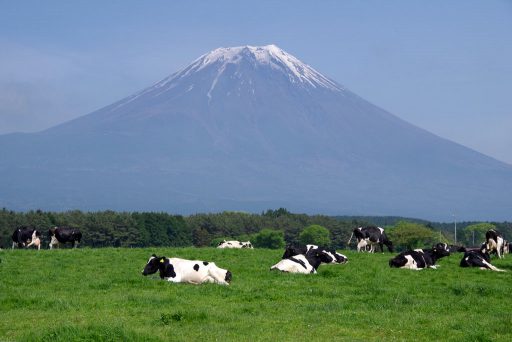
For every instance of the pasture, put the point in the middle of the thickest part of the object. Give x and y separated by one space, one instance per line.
100 294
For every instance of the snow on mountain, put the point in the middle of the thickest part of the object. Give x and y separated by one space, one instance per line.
271 56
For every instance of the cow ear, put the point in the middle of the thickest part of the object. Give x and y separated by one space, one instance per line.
154 255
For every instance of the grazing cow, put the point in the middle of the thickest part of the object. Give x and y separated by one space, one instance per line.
26 237
494 242
337 258
234 244
59 235
419 259
178 270
371 236
303 263
506 248
479 258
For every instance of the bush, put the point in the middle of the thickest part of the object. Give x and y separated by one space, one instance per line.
410 235
269 238
316 235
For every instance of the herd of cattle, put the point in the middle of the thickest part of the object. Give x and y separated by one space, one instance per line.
296 259
25 237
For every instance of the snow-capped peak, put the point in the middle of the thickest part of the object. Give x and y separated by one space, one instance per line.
270 55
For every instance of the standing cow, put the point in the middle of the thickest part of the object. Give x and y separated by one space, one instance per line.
59 235
494 242
371 236
26 237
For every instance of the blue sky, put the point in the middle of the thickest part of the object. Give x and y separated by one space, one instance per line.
442 65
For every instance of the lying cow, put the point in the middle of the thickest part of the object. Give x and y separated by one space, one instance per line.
371 236
479 258
303 263
494 242
419 259
337 258
234 244
58 235
25 237
178 270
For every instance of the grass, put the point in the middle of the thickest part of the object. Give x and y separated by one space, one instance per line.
100 294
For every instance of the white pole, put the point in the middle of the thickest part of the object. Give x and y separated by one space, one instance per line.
455 219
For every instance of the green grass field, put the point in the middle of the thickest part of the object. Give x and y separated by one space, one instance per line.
100 295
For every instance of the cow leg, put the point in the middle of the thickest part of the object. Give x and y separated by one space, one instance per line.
13 244
484 264
218 274
361 244
54 242
372 248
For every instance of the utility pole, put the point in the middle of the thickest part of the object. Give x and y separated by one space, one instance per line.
455 220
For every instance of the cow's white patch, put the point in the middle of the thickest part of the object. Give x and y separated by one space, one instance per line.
411 263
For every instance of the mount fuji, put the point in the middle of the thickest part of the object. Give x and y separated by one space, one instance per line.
250 128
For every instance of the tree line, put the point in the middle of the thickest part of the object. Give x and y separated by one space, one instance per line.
270 229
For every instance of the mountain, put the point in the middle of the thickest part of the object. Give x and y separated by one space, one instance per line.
250 128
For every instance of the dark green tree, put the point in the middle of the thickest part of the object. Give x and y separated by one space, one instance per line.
316 235
269 238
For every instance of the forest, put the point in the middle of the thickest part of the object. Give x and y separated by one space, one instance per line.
270 229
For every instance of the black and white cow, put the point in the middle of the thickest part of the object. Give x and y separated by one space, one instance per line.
371 236
479 258
494 242
419 259
234 244
26 237
506 248
337 258
303 263
178 270
59 235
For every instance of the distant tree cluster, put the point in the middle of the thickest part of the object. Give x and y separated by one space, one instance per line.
270 229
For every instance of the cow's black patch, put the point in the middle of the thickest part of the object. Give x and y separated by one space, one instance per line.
167 271
196 267
205 263
228 277
302 263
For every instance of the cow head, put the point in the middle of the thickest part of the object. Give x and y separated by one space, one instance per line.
441 250
153 265
389 245
317 256
484 249
77 235
339 258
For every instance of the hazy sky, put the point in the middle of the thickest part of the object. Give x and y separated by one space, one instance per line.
445 66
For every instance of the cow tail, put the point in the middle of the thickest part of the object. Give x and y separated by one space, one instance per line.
351 235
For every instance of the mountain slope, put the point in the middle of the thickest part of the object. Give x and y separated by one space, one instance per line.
250 128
